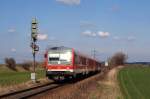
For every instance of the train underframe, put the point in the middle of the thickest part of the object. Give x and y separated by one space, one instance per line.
66 75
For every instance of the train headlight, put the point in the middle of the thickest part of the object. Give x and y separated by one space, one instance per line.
67 67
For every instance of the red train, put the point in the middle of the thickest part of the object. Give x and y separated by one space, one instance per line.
63 62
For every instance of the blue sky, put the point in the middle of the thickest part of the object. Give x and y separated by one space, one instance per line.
108 26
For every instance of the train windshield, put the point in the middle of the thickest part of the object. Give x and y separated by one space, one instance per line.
60 57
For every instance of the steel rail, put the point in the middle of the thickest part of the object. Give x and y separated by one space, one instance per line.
25 93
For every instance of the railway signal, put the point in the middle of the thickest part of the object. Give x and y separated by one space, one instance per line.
34 46
34 28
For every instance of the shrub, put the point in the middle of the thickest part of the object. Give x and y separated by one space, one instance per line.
11 63
26 65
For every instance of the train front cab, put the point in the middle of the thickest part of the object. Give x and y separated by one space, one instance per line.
59 63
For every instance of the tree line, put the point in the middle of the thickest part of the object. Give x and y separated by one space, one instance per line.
117 59
26 65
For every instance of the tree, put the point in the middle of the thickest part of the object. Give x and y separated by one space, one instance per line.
117 59
11 63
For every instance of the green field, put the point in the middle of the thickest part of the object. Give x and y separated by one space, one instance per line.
135 82
9 77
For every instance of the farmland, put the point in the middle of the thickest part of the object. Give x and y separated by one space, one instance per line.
9 77
135 82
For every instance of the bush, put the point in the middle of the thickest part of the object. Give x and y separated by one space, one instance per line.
26 65
11 63
118 59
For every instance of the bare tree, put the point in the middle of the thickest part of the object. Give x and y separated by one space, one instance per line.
11 63
117 59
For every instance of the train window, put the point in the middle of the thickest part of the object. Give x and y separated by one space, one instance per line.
77 59
60 57
80 60
53 59
84 61
65 57
90 62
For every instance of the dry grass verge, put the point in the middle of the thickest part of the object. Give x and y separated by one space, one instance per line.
79 90
22 86
109 86
100 86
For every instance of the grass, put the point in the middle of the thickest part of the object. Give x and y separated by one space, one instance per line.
135 82
9 77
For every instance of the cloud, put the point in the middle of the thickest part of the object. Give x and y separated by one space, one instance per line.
103 34
13 50
126 39
69 2
131 38
86 24
89 33
42 37
96 34
116 38
11 30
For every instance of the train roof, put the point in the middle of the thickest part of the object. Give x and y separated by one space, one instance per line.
59 48
87 56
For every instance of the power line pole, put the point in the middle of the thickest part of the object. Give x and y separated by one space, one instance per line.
94 53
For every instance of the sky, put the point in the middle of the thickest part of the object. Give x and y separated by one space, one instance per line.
108 26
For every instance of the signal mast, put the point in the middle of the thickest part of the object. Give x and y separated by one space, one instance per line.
34 46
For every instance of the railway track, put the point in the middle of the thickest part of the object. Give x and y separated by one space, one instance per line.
71 89
26 93
37 90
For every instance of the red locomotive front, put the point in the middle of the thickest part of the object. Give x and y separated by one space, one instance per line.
59 62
